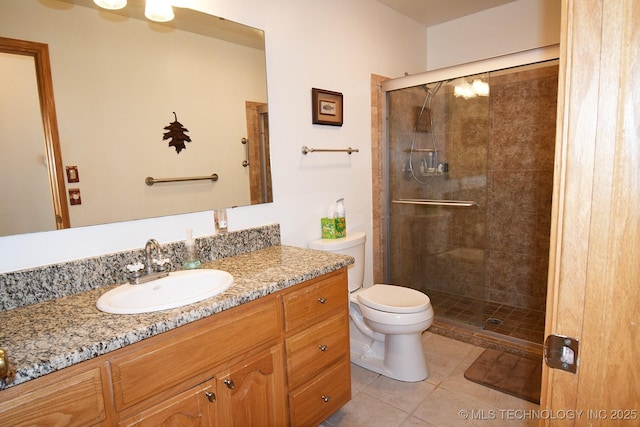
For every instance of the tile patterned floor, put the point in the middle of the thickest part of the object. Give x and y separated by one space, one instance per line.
444 399
515 322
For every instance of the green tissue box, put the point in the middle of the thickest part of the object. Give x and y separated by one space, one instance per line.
333 228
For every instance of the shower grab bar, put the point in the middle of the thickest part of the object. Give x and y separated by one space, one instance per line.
433 202
349 150
151 180
420 150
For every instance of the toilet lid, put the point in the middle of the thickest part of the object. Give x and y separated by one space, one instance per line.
394 299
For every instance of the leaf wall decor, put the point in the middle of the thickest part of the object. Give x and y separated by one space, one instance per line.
176 132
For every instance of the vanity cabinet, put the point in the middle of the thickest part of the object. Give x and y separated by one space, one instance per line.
317 347
280 360
249 393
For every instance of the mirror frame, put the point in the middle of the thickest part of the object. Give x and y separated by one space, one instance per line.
40 54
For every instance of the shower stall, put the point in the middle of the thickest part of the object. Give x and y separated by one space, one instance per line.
469 178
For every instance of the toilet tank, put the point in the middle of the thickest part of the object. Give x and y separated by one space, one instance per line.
352 245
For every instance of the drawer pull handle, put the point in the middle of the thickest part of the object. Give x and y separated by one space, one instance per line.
230 384
326 398
323 347
210 396
322 300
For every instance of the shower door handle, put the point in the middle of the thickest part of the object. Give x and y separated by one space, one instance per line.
434 202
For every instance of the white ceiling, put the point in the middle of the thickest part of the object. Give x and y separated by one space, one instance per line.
433 12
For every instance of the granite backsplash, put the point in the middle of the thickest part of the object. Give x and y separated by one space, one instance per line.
35 285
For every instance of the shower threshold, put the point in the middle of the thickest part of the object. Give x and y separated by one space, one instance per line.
485 338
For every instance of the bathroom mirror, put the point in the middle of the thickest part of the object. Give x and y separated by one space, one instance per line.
122 85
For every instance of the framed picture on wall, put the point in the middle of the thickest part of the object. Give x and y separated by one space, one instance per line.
327 107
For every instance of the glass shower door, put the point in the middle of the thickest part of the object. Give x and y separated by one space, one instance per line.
437 186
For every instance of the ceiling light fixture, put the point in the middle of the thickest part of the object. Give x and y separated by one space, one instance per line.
111 4
159 10
470 90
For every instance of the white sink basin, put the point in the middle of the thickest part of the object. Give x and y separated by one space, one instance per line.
176 290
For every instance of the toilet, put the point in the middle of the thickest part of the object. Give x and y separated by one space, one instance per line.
385 321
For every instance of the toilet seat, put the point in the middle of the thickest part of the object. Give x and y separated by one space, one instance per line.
394 299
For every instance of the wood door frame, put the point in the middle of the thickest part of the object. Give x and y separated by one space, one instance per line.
40 54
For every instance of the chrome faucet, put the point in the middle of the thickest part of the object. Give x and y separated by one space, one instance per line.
153 269
152 244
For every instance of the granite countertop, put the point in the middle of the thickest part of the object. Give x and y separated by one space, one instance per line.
52 335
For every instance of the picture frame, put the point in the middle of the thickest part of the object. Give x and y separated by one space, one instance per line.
326 107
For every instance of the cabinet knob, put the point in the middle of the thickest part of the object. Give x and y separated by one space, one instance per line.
230 384
323 347
322 300
326 398
210 396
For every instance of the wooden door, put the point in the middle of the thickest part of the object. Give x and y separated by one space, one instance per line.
594 274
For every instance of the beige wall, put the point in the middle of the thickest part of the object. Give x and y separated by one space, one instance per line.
513 27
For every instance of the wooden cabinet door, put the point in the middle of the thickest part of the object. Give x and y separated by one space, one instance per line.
252 392
74 401
195 407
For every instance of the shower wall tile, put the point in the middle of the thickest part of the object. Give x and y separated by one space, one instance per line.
513 233
468 152
543 235
541 276
469 229
517 299
468 114
521 151
524 104
546 144
513 191
545 193
470 186
513 149
511 271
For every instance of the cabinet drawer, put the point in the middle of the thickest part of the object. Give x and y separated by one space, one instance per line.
306 306
313 403
170 361
313 350
189 408
75 401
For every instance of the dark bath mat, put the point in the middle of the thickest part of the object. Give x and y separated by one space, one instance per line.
508 373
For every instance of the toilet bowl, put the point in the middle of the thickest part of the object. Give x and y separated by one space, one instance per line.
386 321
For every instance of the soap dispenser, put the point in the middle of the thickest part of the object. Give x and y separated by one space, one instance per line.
191 260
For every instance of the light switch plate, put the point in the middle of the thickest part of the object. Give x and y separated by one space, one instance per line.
72 174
